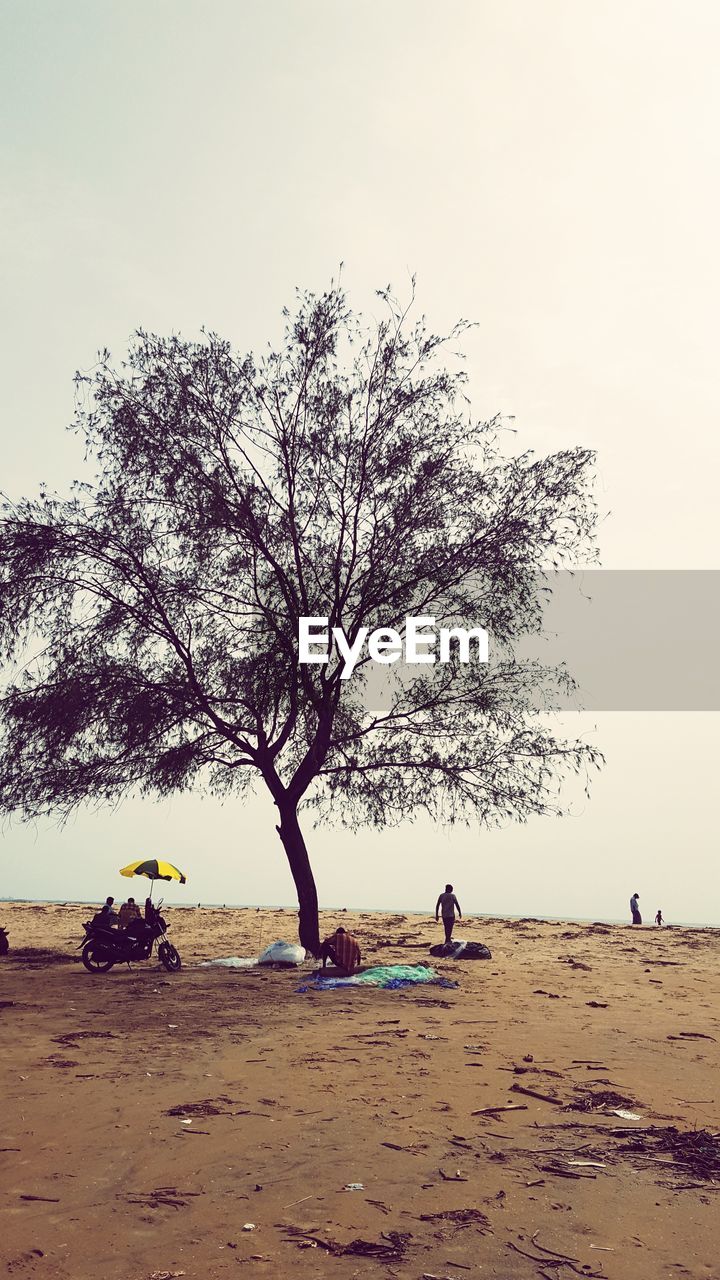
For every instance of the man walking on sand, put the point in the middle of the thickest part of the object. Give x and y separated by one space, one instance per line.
448 902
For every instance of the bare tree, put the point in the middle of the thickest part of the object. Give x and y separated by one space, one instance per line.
156 610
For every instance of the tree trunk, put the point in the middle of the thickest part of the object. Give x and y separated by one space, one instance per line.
297 855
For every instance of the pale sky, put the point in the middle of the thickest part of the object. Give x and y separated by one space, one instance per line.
546 168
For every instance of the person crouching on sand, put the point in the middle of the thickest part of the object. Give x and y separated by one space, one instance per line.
342 950
449 903
635 909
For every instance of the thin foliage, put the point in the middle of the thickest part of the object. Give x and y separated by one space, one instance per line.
151 619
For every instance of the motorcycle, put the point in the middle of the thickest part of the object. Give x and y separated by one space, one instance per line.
104 946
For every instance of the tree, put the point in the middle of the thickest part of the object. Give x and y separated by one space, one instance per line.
156 610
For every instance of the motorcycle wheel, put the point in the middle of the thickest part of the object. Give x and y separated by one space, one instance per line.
169 957
95 959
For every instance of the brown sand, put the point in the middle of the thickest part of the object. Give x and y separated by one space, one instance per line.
294 1096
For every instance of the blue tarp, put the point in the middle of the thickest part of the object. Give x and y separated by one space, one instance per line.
391 977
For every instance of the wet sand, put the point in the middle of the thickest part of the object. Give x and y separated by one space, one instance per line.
292 1097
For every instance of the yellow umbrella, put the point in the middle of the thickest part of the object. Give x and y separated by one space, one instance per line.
153 870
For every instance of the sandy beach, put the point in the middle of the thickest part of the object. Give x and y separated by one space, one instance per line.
292 1096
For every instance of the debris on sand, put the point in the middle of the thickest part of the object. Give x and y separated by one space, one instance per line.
601 1100
559 1170
392 1251
692 1035
207 1107
169 1197
554 1260
69 1040
690 1153
694 1151
534 1093
462 1218
503 1106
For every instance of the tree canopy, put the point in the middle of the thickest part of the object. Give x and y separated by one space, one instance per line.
149 621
